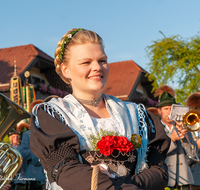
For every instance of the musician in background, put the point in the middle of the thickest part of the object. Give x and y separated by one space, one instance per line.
14 138
193 101
31 167
34 170
180 176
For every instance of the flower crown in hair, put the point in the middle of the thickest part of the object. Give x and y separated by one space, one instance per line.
66 41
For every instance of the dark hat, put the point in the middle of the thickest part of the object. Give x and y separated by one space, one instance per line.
12 132
166 99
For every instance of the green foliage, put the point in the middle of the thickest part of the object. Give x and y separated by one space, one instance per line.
175 60
6 139
66 41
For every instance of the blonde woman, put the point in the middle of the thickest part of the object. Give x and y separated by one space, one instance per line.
63 130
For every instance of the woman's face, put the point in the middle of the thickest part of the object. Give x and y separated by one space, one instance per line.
87 69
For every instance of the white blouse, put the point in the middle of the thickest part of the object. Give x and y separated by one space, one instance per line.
105 124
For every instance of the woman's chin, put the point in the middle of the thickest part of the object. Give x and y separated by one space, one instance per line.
97 88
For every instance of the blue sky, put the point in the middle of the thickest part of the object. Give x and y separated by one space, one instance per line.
127 27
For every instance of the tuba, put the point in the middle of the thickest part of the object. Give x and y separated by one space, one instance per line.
10 158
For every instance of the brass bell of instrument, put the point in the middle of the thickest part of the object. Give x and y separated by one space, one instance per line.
192 120
10 158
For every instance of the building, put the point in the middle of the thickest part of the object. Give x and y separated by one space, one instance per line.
128 82
39 64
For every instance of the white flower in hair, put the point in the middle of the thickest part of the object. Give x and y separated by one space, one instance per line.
69 35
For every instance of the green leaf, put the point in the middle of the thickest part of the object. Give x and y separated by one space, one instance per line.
175 60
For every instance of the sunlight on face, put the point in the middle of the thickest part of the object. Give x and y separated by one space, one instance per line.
14 139
165 112
87 69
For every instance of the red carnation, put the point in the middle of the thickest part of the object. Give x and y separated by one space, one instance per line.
108 143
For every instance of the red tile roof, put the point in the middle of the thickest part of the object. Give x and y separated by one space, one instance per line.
23 55
122 78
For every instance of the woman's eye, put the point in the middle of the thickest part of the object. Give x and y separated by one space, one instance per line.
86 63
103 61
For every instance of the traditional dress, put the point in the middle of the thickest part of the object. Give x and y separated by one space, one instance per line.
60 131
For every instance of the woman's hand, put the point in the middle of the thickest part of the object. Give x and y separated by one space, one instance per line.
6 187
103 169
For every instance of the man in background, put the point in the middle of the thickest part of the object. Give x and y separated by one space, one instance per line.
34 170
193 101
180 176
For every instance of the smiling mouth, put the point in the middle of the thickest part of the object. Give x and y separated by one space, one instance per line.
96 77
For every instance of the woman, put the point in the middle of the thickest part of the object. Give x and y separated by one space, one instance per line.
62 129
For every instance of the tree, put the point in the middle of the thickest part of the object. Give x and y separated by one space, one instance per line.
175 60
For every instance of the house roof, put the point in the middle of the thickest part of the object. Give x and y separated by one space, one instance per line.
122 78
24 56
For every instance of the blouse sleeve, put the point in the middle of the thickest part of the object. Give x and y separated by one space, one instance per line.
57 147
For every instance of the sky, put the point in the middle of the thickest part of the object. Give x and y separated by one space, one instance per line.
127 27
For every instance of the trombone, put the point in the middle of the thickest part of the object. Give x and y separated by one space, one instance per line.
191 122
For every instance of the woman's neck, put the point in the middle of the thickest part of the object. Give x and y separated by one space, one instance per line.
95 107
91 102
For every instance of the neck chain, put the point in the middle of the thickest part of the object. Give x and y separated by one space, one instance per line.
93 102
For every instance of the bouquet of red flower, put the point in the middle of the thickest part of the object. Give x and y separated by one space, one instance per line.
108 143
117 153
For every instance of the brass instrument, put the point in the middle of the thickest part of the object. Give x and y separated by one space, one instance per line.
191 120
10 158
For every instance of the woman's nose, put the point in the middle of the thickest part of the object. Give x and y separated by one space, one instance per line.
96 65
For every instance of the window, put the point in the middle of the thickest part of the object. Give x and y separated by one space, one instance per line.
36 80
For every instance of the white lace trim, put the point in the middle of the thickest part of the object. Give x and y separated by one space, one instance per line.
142 151
48 108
